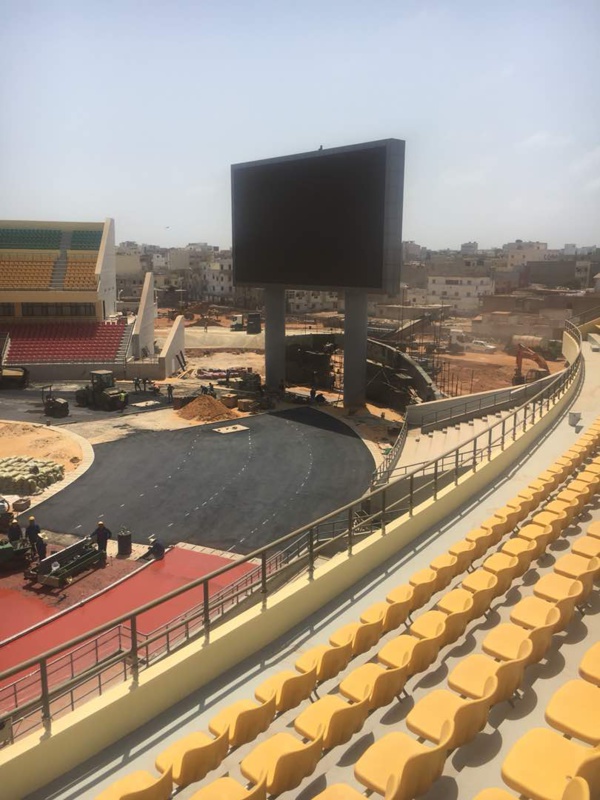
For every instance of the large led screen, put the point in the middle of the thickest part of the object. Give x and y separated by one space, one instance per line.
326 219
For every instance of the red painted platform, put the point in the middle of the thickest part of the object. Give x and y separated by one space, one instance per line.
160 577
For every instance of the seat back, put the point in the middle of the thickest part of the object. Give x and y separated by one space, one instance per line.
367 634
249 723
472 715
160 789
198 761
397 613
388 685
257 792
421 770
577 789
345 722
292 767
295 689
423 655
333 661
589 771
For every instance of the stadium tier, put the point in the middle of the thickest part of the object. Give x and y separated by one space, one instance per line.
80 275
26 274
49 342
86 240
30 238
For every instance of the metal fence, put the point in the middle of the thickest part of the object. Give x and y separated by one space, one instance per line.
40 690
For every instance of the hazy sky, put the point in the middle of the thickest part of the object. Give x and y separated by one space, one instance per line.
135 110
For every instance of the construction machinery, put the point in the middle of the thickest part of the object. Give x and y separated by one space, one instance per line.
251 322
548 348
532 374
13 377
54 406
101 392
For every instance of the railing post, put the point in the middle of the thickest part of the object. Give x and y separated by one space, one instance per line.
490 444
525 417
503 431
435 479
46 716
411 499
383 513
311 553
474 453
514 432
206 609
350 527
135 666
263 573
456 465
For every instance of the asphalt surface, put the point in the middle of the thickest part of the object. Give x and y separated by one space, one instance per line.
235 491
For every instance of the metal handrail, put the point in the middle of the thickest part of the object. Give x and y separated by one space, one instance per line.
305 542
382 473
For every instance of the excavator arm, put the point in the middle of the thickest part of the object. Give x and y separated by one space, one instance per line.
526 353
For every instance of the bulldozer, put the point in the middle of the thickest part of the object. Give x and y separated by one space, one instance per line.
101 393
532 374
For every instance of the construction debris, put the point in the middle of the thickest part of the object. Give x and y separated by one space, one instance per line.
206 409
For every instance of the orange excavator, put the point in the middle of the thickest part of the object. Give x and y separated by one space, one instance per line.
532 374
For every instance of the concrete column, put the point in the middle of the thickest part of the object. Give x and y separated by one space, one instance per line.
274 336
355 349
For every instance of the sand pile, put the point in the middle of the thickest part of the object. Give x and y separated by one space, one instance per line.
206 409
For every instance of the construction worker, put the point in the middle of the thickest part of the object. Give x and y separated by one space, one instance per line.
32 531
14 531
40 546
137 385
122 399
170 392
102 535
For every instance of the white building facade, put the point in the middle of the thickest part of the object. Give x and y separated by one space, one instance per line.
462 293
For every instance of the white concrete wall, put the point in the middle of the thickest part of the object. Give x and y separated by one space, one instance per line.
106 269
175 344
143 329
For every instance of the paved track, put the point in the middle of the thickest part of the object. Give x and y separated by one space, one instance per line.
235 491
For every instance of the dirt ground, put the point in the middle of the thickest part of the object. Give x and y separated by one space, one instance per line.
480 372
23 439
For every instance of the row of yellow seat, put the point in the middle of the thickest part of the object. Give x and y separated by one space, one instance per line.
15 275
399 768
80 275
373 684
544 764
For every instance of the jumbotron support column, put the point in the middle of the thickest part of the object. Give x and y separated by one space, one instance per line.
355 349
274 336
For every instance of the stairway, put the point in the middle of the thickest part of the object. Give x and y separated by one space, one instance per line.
125 343
60 265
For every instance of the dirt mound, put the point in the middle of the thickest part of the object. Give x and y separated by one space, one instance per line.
206 409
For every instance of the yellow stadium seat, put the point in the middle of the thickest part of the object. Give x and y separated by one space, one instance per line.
332 718
139 785
192 757
590 665
574 710
581 568
361 635
378 685
229 789
399 767
542 762
243 721
329 660
564 593
470 675
290 688
483 585
284 760
429 716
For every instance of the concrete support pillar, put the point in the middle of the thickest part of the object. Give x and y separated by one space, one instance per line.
274 336
355 349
